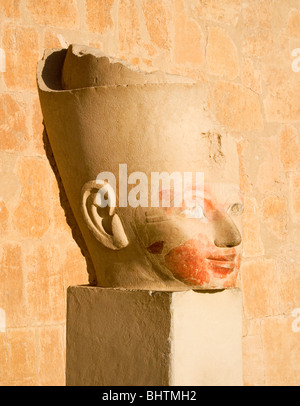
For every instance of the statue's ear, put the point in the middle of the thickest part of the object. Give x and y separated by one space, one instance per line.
98 201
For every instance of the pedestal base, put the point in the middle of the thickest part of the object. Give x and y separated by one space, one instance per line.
139 338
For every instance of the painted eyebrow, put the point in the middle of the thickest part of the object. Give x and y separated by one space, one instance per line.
155 218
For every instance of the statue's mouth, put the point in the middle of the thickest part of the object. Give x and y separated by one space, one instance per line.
221 268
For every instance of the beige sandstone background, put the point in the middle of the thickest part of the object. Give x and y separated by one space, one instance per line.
242 50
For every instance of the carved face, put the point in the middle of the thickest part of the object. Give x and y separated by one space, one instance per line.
199 244
153 123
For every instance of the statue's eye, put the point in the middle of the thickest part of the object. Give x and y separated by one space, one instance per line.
195 212
236 209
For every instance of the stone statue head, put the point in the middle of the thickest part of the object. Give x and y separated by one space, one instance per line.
151 177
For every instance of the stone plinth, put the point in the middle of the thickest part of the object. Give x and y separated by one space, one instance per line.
126 338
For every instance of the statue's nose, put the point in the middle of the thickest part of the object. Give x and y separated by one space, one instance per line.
226 233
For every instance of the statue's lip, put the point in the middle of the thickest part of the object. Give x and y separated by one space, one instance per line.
228 265
223 258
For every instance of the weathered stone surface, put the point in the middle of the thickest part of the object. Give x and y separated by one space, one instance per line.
74 267
282 351
129 27
45 276
206 339
10 8
289 284
12 294
258 43
20 368
283 106
274 214
251 77
253 361
295 195
281 101
59 13
270 176
292 28
20 64
221 54
153 338
260 288
257 28
37 142
218 11
32 217
237 107
252 243
99 17
257 14
51 356
188 39
289 147
3 217
245 181
13 128
157 22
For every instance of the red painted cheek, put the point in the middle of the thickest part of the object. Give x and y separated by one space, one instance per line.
199 262
187 263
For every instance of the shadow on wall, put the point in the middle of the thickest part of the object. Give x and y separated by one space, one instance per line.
76 233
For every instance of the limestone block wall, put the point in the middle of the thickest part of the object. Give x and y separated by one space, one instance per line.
246 53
